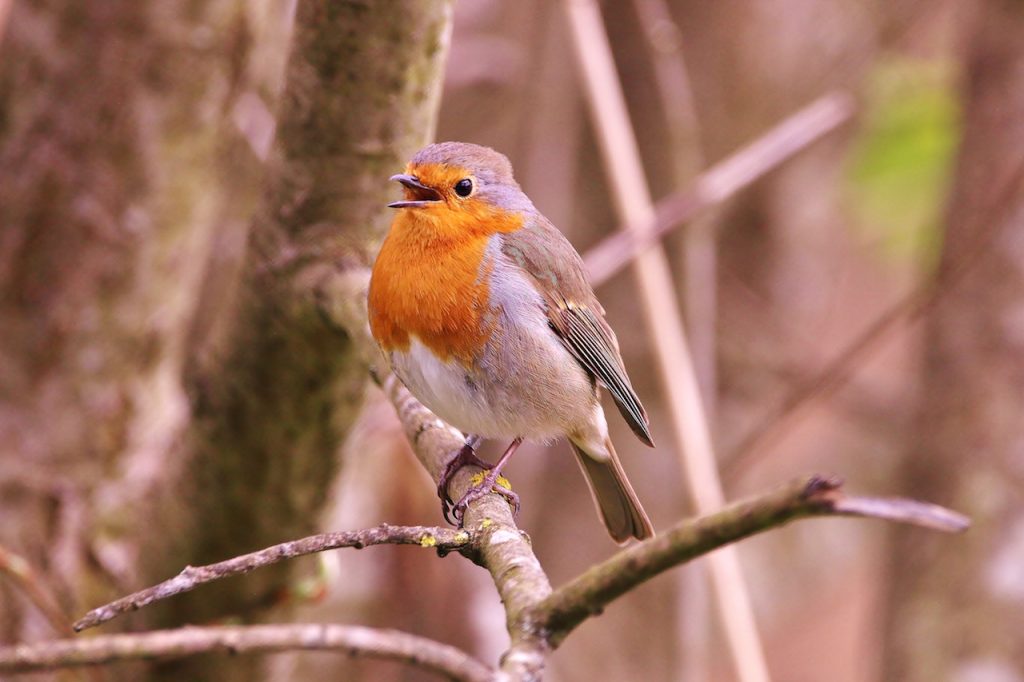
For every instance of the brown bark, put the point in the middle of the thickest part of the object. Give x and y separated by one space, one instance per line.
122 171
955 610
173 389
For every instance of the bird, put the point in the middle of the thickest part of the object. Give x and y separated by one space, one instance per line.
483 310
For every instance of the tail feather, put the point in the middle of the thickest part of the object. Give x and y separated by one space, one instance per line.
618 505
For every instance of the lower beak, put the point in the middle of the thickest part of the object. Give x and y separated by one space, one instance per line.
417 195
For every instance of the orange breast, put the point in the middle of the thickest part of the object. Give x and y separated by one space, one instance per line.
428 281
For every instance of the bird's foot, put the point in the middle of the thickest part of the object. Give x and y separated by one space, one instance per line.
490 482
466 456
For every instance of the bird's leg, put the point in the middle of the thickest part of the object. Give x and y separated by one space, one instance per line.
489 483
466 456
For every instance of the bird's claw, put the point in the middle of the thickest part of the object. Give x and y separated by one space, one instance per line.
466 456
488 485
490 481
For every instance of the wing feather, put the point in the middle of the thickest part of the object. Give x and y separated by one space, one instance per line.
574 313
589 339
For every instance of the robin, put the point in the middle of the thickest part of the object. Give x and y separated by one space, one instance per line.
484 311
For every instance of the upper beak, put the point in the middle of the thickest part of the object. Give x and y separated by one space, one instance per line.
417 194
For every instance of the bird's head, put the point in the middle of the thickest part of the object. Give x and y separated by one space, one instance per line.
459 187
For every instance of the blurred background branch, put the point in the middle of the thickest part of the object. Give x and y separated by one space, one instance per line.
960 615
838 372
18 571
720 182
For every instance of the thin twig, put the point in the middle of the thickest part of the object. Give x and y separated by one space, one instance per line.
632 200
19 571
587 595
720 182
441 539
252 639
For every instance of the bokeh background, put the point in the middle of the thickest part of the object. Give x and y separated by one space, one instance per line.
900 236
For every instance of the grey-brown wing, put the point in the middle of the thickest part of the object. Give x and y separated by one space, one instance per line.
575 314
590 340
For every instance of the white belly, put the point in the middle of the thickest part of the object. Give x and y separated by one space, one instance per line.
535 390
448 390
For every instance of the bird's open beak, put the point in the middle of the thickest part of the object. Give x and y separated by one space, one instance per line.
417 195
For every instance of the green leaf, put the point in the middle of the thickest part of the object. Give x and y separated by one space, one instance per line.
902 162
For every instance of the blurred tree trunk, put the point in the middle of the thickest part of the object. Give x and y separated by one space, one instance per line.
955 610
124 174
173 391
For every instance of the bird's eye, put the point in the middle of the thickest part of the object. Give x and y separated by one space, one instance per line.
464 187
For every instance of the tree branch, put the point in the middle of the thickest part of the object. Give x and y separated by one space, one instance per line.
588 594
720 182
349 639
442 539
20 572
